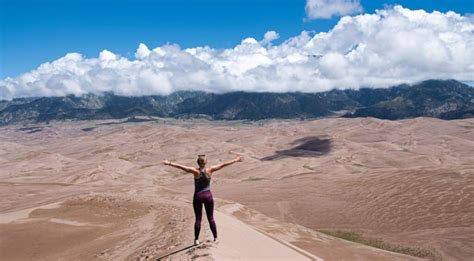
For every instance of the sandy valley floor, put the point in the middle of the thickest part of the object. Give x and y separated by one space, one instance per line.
97 190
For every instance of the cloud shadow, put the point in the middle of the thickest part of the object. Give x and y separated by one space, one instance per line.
311 146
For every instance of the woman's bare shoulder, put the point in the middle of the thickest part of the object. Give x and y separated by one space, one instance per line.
195 172
209 171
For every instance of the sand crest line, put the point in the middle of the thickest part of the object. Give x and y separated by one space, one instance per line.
239 240
266 235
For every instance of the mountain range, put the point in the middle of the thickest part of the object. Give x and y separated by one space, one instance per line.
445 99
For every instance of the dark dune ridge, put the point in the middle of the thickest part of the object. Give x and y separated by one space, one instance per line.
29 130
308 147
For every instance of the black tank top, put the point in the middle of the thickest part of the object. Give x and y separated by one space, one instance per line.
202 182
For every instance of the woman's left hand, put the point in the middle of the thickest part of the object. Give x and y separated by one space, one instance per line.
166 162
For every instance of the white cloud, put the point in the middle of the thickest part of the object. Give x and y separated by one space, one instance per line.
391 46
269 36
142 51
106 55
324 9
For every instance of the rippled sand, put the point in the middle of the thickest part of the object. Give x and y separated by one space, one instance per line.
93 190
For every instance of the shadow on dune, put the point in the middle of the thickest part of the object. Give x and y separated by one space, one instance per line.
130 119
30 130
307 147
175 252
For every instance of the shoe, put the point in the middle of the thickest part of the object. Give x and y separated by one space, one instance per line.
216 240
196 242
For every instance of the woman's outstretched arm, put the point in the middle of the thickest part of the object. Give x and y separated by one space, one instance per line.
220 166
181 167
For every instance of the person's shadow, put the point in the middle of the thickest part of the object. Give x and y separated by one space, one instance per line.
175 252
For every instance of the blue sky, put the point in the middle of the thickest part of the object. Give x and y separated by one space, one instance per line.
34 32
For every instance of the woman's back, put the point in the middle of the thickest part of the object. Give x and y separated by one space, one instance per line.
202 182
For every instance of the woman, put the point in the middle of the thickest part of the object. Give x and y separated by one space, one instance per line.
202 191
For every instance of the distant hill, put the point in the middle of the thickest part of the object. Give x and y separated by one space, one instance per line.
433 98
445 99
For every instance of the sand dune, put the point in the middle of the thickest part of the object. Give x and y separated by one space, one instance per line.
239 241
407 182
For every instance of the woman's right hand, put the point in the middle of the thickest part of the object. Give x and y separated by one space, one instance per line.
238 159
166 162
